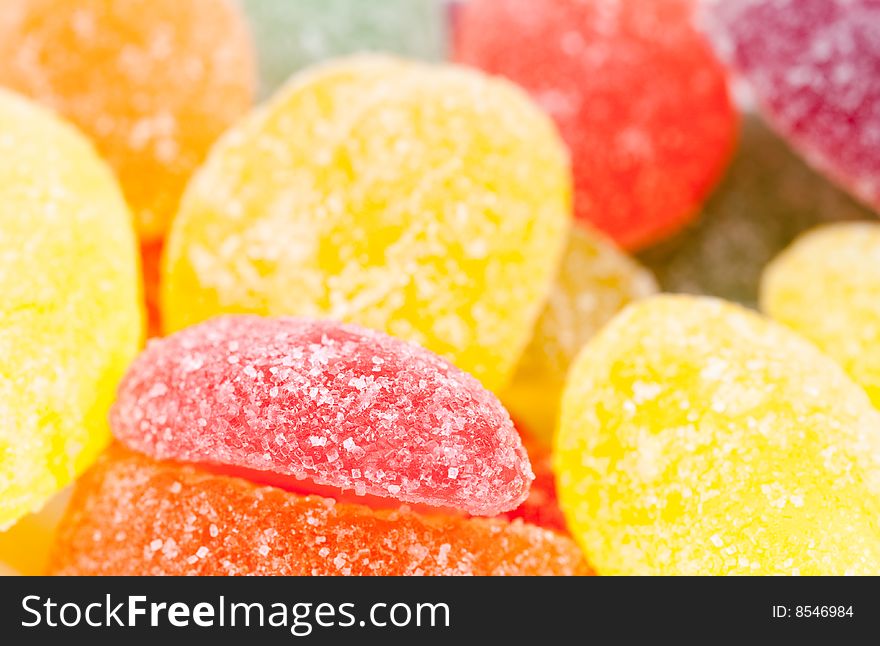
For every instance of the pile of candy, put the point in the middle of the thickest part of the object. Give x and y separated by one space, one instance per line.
425 224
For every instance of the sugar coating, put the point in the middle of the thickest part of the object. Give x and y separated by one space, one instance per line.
428 202
768 197
70 314
133 515
152 82
827 287
634 89
334 403
815 70
697 437
596 280
290 36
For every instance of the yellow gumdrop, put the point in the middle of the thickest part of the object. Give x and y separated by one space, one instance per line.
70 314
697 437
429 202
827 287
596 280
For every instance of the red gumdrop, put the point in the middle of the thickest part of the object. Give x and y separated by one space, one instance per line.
814 67
636 92
333 403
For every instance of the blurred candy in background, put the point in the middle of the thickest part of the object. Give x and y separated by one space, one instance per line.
152 82
814 67
827 287
636 91
596 281
814 75
767 198
293 34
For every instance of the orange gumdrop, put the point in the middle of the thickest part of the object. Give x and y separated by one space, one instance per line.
132 515
153 82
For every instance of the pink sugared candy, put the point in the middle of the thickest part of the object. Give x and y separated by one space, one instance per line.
335 404
814 66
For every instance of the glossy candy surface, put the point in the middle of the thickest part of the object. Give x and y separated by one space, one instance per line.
697 437
429 202
70 316
152 82
636 92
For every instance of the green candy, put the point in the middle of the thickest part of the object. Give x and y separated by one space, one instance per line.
293 34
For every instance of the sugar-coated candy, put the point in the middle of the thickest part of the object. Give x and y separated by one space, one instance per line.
595 281
768 197
24 547
815 70
153 82
827 287
332 403
132 515
429 202
293 34
70 317
636 92
697 437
